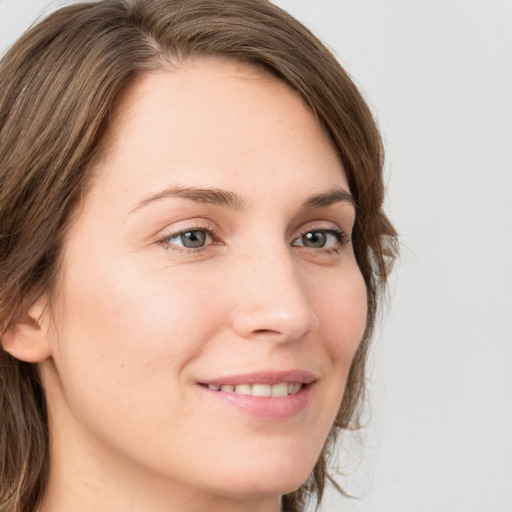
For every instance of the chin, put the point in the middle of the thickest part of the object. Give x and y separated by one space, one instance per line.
276 477
251 489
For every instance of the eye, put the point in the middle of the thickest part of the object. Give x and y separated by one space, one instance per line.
195 238
320 239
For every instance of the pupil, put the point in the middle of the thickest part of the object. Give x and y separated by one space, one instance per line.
314 239
193 239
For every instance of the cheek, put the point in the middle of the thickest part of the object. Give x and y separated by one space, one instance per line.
131 330
143 308
342 311
342 314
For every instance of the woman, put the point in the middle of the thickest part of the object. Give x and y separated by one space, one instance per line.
192 250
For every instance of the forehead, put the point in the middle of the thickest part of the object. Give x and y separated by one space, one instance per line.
213 119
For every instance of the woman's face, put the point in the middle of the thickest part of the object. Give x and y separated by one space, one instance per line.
212 251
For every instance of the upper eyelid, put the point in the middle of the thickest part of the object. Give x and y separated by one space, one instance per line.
323 225
165 239
184 227
340 233
205 225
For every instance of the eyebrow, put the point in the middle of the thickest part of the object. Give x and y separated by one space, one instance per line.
233 201
335 195
200 195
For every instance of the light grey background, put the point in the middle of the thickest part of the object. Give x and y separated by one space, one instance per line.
438 75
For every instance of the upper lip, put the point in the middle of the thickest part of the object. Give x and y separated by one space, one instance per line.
265 377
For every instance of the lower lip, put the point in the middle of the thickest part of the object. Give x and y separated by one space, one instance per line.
266 408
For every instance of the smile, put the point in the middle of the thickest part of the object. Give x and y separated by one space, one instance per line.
266 395
260 390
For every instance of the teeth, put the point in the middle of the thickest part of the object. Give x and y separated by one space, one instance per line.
261 390
295 388
243 389
281 389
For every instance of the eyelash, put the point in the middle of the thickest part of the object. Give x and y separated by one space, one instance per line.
205 228
339 234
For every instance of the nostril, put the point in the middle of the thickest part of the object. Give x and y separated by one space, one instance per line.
264 331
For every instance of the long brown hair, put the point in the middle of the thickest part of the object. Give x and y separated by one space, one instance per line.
59 83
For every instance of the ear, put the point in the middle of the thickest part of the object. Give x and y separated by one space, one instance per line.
27 339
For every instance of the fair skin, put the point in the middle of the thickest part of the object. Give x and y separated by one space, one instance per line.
267 293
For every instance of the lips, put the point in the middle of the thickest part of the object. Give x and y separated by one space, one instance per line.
268 378
266 395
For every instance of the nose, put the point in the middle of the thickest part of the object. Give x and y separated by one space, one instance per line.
271 301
